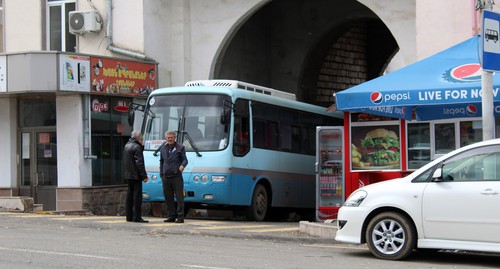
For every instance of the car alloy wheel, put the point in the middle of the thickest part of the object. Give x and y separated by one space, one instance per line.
390 236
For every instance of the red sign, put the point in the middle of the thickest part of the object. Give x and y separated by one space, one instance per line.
111 76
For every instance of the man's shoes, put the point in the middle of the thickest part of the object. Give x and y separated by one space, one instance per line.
179 221
169 220
141 220
129 220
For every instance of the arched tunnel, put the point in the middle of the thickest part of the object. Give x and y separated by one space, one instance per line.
312 48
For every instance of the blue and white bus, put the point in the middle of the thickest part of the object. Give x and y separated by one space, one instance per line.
250 148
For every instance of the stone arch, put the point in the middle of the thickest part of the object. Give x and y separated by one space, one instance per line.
312 48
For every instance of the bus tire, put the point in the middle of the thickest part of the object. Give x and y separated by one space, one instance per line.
259 205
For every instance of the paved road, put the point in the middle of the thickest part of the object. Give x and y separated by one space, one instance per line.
68 241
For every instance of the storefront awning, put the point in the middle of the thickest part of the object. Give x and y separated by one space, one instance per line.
445 85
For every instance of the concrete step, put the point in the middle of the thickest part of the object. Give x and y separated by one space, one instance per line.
16 203
37 207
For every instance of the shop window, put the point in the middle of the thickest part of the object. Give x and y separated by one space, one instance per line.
110 132
58 36
37 112
444 134
447 136
470 132
419 146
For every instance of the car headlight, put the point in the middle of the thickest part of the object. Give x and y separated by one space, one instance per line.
356 198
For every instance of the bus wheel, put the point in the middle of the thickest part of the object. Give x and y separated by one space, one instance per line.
259 206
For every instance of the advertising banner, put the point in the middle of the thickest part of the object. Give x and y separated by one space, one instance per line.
74 73
112 76
375 147
445 85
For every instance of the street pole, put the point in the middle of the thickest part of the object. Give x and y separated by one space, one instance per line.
487 88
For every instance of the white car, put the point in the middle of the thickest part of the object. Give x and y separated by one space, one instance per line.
452 202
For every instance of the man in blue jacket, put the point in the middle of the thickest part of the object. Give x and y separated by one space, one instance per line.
134 173
172 162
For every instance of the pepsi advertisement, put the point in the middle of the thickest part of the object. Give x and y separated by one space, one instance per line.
443 86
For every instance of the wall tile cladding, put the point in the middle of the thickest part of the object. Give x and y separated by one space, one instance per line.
344 66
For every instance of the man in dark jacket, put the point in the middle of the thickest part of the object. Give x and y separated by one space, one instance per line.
172 162
134 173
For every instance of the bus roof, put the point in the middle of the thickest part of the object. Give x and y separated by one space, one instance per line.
234 89
241 85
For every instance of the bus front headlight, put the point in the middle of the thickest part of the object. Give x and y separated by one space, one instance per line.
218 178
196 178
204 178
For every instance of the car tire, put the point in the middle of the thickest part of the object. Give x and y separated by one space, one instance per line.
390 236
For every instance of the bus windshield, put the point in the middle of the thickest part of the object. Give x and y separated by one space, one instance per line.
194 115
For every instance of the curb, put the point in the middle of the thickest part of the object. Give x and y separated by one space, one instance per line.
323 230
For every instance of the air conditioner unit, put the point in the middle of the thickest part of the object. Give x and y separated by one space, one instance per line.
84 21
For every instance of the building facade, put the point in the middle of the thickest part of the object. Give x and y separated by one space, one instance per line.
63 143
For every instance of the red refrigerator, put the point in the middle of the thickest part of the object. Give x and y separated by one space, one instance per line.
329 172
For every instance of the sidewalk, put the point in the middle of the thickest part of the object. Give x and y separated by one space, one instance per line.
303 230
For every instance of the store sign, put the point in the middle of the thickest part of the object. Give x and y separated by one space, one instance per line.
98 106
111 76
74 73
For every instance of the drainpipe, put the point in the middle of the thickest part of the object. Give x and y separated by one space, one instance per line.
109 35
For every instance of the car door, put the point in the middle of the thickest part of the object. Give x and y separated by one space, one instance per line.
464 204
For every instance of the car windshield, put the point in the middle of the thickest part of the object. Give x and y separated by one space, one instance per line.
194 117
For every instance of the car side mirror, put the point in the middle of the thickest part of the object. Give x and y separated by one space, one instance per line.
437 176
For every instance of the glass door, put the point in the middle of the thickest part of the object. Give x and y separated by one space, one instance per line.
329 172
39 166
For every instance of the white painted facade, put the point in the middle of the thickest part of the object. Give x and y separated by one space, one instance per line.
186 37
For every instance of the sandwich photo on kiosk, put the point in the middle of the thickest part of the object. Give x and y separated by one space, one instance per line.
378 149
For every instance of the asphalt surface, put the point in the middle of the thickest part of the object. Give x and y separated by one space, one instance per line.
275 231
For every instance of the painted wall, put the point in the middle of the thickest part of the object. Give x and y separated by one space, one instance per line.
127 27
76 171
23 25
8 134
400 19
442 24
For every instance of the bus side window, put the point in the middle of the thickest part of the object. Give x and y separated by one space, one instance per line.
241 140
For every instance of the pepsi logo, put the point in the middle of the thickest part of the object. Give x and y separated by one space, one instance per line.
464 73
471 110
376 97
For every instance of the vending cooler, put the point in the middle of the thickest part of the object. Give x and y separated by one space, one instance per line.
329 172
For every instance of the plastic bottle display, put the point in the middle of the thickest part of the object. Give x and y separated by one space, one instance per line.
331 180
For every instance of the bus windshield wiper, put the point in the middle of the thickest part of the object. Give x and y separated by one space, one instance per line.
191 142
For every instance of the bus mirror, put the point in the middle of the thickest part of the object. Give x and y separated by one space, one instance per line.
225 115
148 126
131 117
